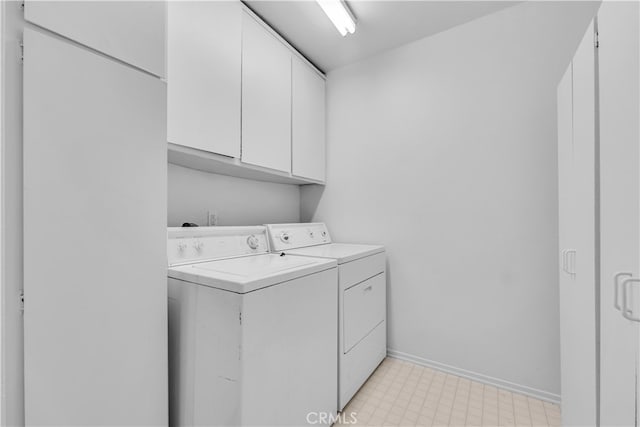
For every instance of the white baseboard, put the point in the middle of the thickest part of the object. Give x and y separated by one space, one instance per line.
497 382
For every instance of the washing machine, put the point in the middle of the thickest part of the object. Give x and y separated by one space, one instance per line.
362 301
252 334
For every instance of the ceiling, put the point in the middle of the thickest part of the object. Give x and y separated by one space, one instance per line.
381 25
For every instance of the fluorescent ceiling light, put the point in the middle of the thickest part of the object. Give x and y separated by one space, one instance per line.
340 15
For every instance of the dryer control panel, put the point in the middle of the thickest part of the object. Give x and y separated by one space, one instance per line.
292 236
192 244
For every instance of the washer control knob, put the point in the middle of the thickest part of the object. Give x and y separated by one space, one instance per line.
311 234
253 242
324 233
284 236
198 245
182 246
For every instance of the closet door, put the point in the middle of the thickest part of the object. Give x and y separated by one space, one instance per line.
95 168
266 98
132 31
578 238
574 335
620 206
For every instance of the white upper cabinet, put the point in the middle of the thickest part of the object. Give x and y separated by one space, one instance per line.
266 98
307 122
131 31
241 101
204 75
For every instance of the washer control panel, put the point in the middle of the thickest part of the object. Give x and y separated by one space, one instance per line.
292 236
192 244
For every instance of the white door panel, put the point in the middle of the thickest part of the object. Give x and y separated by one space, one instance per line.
620 211
132 31
569 321
204 74
266 98
580 409
576 157
95 319
308 122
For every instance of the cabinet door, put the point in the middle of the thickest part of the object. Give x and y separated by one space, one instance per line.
203 75
95 176
131 31
308 122
266 98
618 63
577 296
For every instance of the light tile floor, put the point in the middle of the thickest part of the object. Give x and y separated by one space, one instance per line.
400 393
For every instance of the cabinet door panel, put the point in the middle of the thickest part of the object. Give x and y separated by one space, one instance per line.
618 65
203 73
308 122
266 98
577 296
132 31
95 168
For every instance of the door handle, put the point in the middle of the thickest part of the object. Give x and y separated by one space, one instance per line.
568 266
616 289
627 311
571 262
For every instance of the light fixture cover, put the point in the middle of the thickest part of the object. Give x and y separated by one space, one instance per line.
340 15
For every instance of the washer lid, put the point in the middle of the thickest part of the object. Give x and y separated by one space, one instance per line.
249 273
342 252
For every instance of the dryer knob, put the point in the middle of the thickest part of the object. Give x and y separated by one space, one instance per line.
253 242
284 236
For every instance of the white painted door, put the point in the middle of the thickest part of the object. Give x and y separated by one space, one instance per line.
203 75
131 31
581 303
576 159
95 170
620 204
308 122
266 98
572 343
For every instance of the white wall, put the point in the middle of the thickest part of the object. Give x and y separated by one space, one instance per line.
236 201
444 150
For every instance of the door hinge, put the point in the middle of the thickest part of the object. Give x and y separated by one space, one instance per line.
240 316
21 50
22 5
596 40
22 301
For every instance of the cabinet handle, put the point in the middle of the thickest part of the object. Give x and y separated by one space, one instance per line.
368 288
616 289
627 311
564 261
